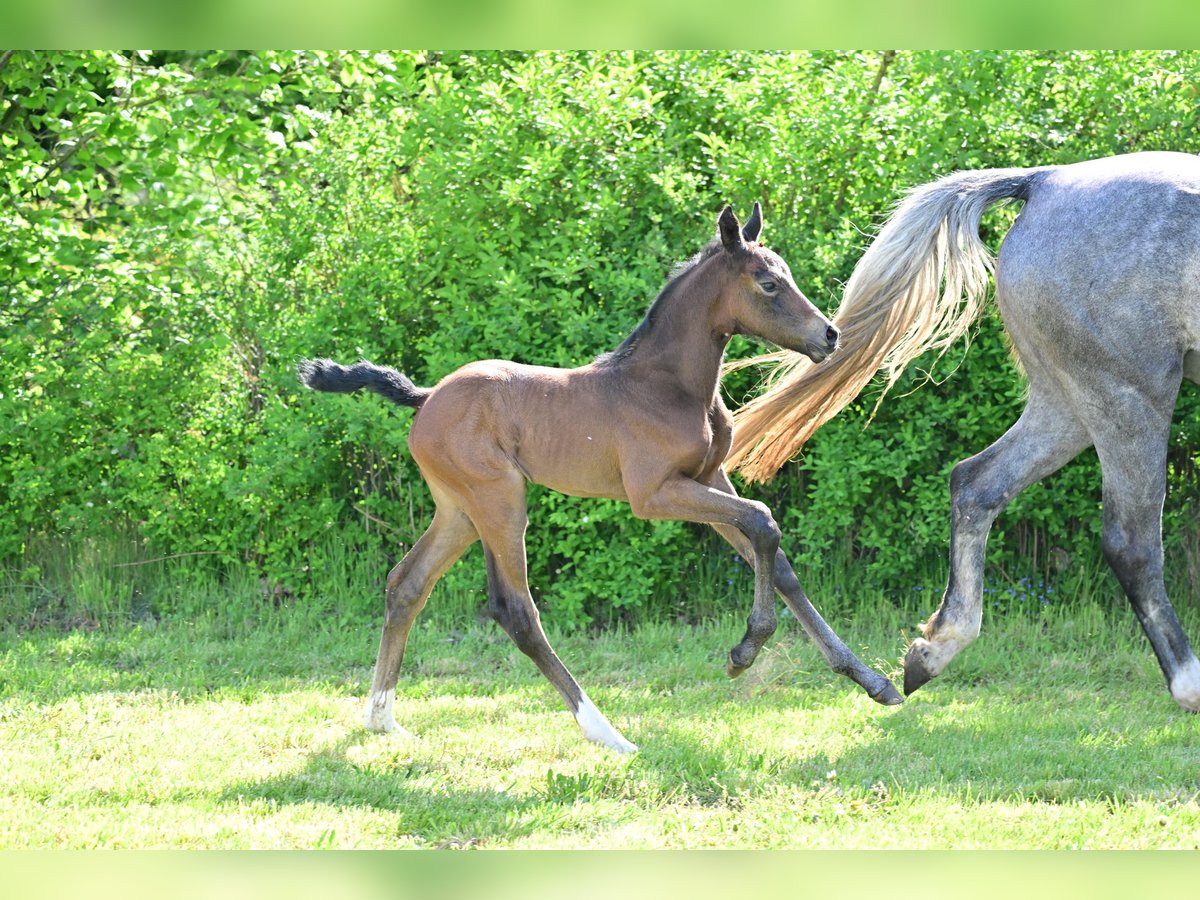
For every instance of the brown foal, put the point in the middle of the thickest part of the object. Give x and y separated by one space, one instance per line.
644 423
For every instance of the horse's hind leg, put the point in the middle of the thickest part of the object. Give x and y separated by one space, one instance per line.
408 587
498 510
1044 439
1133 456
761 623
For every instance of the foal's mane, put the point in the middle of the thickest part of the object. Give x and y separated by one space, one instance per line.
627 346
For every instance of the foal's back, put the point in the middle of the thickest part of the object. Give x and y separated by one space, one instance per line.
496 418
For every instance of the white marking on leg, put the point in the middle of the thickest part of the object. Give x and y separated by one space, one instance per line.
597 728
379 716
938 649
1185 686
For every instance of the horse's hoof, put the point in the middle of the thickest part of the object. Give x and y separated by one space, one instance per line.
732 669
392 729
887 695
916 673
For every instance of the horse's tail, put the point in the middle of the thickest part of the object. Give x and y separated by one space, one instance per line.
918 287
326 375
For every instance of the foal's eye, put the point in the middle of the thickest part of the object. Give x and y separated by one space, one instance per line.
769 287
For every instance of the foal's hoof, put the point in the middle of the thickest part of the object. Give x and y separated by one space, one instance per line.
887 695
916 671
732 669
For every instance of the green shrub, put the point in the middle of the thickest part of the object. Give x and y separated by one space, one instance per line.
229 214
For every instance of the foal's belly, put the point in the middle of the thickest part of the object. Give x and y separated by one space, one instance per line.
579 463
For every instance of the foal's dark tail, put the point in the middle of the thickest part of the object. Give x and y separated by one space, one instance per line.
326 375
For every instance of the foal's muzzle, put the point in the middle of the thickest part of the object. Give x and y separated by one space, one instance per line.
818 351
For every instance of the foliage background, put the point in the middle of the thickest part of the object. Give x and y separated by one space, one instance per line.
180 227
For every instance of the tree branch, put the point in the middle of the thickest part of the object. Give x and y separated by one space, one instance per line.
146 562
884 63
378 521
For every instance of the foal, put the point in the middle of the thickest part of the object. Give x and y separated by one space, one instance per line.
644 423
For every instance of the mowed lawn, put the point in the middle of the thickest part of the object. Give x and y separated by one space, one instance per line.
1052 731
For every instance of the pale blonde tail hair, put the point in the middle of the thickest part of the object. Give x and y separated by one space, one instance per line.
918 287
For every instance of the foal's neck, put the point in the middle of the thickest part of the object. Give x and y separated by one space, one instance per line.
682 339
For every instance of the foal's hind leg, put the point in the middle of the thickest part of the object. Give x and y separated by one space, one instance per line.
1044 439
839 657
408 587
1132 446
498 510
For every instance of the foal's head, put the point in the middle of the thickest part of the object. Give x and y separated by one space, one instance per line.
759 296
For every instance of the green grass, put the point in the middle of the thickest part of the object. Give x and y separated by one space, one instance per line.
1053 730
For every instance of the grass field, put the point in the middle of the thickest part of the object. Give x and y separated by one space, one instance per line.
1052 731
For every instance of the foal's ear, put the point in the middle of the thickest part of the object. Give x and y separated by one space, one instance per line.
730 230
753 227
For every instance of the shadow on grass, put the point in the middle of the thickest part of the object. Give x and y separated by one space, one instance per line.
962 752
1100 743
967 746
1092 725
47 666
411 789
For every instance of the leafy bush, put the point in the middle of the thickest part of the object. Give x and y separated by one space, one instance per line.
186 226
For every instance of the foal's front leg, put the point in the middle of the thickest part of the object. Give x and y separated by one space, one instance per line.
839 657
688 500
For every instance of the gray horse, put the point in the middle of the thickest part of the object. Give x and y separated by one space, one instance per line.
1098 282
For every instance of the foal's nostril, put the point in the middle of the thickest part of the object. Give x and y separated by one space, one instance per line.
831 336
